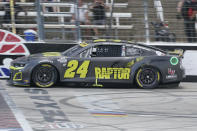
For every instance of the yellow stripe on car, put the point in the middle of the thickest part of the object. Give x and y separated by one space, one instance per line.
46 65
48 85
51 54
138 73
100 40
21 85
116 40
158 76
15 68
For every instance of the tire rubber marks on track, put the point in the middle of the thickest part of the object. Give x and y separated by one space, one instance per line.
16 112
50 111
100 106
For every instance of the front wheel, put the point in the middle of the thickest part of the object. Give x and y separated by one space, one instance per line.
44 75
147 78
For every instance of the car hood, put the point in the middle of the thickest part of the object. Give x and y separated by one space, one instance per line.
45 55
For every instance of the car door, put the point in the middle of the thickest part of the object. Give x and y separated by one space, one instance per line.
77 67
108 64
104 63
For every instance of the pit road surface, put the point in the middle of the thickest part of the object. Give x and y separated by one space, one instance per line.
98 109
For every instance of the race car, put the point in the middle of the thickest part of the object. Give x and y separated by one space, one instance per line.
99 62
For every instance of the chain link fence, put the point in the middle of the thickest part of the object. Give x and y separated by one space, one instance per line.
68 21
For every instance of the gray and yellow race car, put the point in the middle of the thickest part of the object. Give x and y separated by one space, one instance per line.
100 62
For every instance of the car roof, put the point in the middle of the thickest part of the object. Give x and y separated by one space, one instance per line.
121 42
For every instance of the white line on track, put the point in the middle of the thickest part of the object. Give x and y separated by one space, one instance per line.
15 110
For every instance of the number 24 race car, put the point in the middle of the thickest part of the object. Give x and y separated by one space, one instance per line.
100 62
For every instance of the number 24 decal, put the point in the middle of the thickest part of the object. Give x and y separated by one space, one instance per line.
72 69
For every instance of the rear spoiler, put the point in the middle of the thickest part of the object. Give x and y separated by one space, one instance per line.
177 52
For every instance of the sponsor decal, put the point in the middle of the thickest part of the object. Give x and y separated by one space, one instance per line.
48 108
174 60
62 60
73 68
96 84
45 61
131 63
11 46
101 106
26 81
171 74
112 73
170 71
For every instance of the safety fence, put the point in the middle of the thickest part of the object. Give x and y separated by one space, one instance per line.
69 21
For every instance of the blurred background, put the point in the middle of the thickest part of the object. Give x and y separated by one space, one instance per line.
71 21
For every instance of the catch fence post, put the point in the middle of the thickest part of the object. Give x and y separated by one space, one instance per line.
147 32
40 21
77 22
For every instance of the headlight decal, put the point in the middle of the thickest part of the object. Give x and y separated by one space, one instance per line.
15 68
17 76
18 65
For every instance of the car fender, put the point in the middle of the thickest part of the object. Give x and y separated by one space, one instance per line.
40 63
145 63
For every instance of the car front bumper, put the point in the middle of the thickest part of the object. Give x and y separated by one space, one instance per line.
19 77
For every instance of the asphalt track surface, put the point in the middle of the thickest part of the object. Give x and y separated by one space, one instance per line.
98 109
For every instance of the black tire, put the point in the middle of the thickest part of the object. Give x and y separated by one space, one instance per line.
147 78
44 75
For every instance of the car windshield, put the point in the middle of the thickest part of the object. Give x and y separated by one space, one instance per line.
73 49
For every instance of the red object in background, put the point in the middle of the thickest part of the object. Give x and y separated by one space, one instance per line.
5 48
190 12
18 49
2 34
170 71
11 38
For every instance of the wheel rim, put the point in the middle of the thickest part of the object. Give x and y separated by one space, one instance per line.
44 75
147 77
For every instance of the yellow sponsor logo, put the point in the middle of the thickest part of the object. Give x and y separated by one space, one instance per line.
84 44
112 73
73 68
131 63
51 54
117 40
139 59
100 40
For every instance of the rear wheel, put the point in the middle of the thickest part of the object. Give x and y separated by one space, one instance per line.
147 78
44 75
